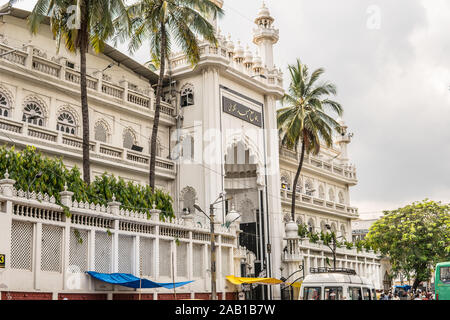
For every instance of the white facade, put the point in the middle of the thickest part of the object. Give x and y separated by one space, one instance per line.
218 118
323 198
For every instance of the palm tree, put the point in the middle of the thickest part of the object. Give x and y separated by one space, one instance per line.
304 119
162 23
80 24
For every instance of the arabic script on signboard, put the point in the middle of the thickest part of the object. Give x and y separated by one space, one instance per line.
242 112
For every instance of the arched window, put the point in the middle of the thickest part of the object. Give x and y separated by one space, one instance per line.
331 195
311 227
5 105
285 184
343 232
101 132
299 221
323 228
128 139
66 123
187 96
33 113
309 188
189 196
287 218
341 197
321 192
333 228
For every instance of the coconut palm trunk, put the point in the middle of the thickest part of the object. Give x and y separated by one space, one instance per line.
157 108
297 176
84 98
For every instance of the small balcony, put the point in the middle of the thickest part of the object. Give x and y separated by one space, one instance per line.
22 134
311 202
328 168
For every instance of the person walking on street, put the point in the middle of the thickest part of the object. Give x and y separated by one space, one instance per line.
396 297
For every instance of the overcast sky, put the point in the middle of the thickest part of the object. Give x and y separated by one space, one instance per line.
391 63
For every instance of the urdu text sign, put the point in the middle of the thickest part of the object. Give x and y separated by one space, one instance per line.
242 112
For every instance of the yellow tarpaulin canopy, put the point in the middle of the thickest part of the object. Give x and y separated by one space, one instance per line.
271 281
238 280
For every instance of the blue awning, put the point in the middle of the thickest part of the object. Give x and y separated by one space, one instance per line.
130 281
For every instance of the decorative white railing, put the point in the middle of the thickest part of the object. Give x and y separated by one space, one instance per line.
270 77
97 148
302 199
102 238
37 61
327 166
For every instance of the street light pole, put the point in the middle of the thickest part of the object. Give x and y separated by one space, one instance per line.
231 217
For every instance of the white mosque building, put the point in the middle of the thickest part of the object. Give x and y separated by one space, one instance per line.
217 136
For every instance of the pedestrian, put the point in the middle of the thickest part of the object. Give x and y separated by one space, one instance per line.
382 296
396 297
417 297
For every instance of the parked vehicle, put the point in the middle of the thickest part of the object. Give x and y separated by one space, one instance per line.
442 281
336 284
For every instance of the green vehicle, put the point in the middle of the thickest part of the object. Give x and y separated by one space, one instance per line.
442 281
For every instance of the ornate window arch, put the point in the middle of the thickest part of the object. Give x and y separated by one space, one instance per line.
187 95
323 228
321 192
299 221
285 182
34 111
341 197
286 217
334 228
311 226
343 231
129 138
67 121
102 131
309 187
331 196
189 197
5 102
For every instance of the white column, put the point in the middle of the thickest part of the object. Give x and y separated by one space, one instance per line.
137 256
115 249
37 255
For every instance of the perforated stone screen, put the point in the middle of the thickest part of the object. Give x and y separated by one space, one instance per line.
146 256
78 251
165 265
182 250
22 245
198 260
51 248
103 252
126 254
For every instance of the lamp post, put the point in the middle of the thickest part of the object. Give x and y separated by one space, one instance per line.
37 176
232 216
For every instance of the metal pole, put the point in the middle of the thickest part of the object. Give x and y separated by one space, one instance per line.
213 255
334 254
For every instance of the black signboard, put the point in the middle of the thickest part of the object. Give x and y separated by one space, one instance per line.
2 261
242 112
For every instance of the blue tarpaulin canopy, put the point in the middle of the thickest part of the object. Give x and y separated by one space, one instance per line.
130 281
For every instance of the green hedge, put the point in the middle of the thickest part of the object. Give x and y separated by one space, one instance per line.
24 165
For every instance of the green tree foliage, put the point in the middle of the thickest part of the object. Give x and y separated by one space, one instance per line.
24 165
415 238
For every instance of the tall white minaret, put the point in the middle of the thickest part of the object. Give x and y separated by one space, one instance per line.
265 36
343 140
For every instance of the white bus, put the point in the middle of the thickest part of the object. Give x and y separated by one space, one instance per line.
339 284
